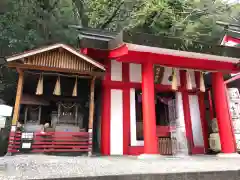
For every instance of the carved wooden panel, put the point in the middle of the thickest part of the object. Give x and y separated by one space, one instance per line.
59 58
158 74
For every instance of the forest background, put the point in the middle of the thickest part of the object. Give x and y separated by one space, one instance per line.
26 24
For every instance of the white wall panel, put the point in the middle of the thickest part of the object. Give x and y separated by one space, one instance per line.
135 72
196 121
180 126
116 70
116 124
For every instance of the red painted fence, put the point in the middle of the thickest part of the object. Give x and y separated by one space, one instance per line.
50 142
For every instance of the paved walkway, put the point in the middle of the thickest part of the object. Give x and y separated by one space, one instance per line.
43 166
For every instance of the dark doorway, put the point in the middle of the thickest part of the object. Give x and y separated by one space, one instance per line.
163 106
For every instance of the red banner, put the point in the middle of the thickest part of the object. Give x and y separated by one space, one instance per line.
230 41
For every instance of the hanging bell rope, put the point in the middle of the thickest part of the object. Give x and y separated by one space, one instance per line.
57 89
75 88
189 80
39 90
202 84
174 79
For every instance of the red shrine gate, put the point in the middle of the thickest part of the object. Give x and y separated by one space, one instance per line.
148 56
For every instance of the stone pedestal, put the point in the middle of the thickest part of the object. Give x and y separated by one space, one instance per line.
149 156
228 155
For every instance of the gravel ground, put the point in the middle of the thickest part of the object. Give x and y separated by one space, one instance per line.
42 166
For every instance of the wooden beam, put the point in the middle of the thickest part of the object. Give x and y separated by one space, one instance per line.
52 69
25 114
91 112
91 104
39 114
18 97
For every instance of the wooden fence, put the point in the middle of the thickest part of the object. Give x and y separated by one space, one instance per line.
51 142
165 145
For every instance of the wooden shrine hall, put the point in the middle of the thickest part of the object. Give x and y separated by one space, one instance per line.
54 86
153 98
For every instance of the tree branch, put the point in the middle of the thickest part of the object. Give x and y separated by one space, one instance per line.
80 8
114 14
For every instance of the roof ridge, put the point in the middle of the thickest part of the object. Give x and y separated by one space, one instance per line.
55 46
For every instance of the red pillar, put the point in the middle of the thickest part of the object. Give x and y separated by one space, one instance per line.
149 117
105 122
106 109
126 109
202 109
222 113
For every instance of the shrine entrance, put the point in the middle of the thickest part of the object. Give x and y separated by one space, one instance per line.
165 105
166 114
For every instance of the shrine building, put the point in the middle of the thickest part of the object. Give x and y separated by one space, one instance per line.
123 94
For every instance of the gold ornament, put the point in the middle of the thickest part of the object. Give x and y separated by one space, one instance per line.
202 84
39 90
174 79
57 89
75 88
189 80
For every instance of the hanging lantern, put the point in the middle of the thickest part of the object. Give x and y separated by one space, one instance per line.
174 79
57 89
39 90
189 80
202 84
75 88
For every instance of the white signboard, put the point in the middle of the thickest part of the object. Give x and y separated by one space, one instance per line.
2 122
234 107
233 94
5 110
26 145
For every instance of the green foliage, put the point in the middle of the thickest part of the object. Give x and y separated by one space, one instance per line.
8 80
106 14
28 24
187 19
31 23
